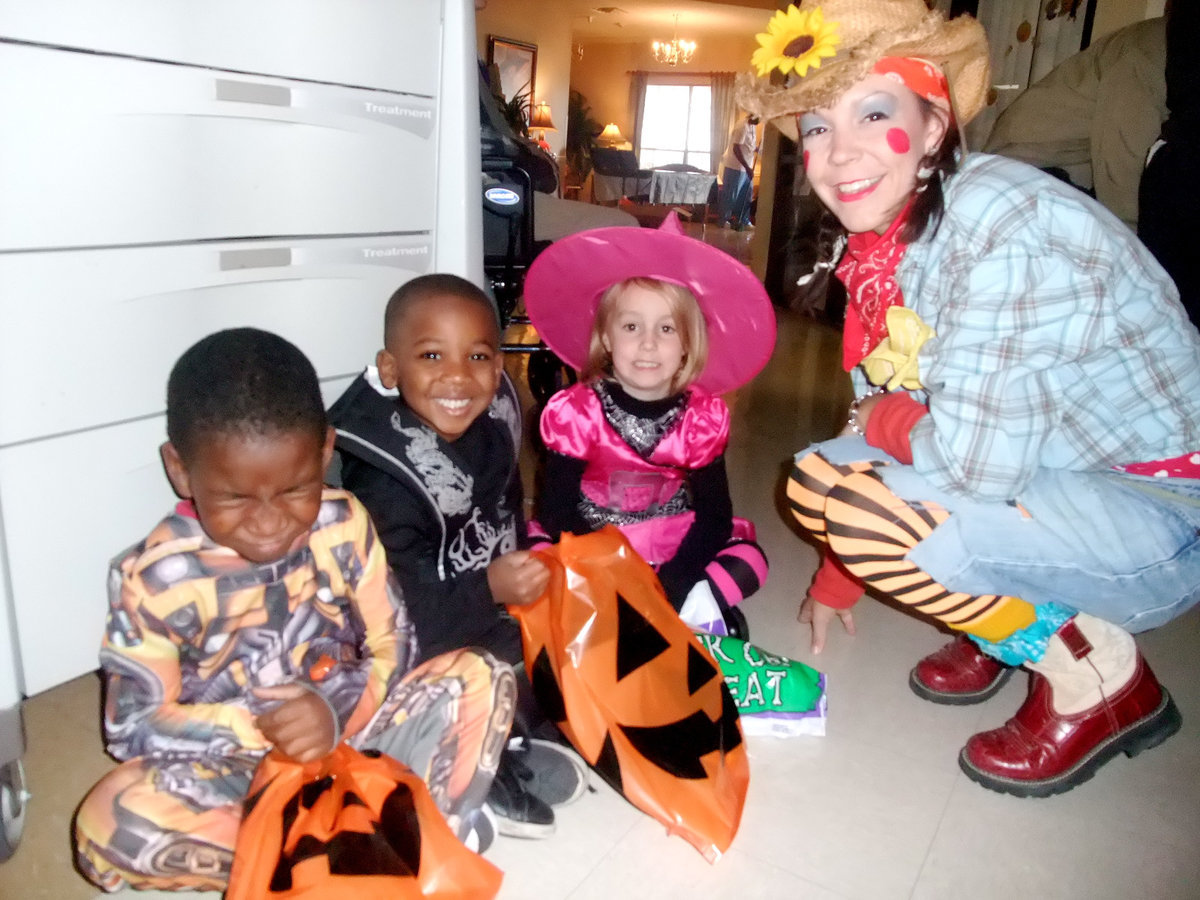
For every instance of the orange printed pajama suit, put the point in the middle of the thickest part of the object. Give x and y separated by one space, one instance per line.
192 627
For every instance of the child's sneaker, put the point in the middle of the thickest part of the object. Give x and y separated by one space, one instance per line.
518 812
736 624
556 774
482 830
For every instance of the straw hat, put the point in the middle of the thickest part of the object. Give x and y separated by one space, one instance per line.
565 283
827 46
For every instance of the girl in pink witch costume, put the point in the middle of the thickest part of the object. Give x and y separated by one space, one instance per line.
659 325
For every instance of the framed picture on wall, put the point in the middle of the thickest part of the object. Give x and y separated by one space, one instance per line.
517 62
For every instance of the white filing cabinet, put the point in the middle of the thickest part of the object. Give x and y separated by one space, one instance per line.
169 168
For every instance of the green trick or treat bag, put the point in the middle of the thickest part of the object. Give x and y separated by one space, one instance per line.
774 695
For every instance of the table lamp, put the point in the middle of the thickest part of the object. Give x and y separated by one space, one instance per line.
611 135
541 120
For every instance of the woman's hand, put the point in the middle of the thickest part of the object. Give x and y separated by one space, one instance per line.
518 578
301 726
819 616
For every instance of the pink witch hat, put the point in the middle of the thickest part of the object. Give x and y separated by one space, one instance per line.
565 282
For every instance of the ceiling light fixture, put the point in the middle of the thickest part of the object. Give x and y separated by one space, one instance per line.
674 51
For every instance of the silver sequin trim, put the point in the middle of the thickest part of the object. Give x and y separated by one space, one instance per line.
598 516
643 435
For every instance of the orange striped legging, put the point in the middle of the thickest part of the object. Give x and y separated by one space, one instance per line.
871 531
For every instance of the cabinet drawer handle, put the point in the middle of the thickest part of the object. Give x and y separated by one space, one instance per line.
250 92
258 258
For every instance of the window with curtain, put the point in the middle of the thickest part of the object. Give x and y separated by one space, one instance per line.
676 126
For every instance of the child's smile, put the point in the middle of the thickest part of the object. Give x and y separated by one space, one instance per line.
444 357
644 342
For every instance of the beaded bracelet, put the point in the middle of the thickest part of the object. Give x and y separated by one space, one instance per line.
852 421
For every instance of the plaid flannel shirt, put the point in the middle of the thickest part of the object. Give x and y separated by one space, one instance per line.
1060 342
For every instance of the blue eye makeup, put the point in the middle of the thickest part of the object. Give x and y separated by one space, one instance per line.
811 122
882 105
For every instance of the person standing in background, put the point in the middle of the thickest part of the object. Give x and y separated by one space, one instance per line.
737 175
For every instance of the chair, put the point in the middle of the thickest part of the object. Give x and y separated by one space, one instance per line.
513 168
681 184
508 224
615 174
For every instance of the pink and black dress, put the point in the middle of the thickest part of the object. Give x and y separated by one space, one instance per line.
656 470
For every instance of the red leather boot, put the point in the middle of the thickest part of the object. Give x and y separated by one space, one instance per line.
1041 751
958 674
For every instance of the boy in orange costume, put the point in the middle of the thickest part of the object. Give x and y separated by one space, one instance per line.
261 614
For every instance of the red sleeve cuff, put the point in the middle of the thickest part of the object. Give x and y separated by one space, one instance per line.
833 585
890 422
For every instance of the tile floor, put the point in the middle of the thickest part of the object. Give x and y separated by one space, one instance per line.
875 809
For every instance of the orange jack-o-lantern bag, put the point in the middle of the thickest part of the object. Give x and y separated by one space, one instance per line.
354 825
626 680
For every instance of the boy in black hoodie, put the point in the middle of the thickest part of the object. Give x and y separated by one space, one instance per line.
428 439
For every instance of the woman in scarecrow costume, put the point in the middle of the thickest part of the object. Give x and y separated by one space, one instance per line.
1022 459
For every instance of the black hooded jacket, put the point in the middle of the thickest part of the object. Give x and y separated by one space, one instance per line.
443 510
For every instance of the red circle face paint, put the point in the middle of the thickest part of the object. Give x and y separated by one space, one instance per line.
898 140
806 159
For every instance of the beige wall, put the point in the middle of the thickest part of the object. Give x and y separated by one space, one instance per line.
1114 14
531 22
603 74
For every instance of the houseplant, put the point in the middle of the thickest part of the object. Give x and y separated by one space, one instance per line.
516 113
582 130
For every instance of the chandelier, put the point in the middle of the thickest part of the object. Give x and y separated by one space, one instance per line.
674 51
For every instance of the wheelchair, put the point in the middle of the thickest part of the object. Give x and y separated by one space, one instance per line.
513 169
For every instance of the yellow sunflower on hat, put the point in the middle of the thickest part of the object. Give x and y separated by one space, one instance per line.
795 41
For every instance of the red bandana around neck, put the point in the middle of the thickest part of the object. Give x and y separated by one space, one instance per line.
868 270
